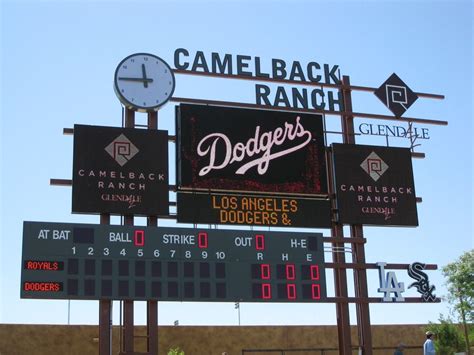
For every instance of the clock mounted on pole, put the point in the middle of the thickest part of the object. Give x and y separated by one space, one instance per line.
143 82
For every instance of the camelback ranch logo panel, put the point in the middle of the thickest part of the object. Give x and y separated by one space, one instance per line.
120 171
230 149
374 185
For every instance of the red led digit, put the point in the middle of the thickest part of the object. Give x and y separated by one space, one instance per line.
314 272
290 271
266 291
260 242
291 291
139 238
265 271
315 292
202 240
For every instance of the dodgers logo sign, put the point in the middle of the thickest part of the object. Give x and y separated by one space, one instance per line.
230 149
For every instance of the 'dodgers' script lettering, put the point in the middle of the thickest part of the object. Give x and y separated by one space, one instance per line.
260 143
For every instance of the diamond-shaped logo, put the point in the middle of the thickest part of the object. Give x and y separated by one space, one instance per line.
374 166
121 149
396 95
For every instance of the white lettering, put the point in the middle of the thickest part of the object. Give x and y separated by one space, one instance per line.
208 147
243 241
43 234
390 284
61 234
179 239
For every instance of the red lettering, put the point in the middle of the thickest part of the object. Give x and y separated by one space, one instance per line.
139 238
44 265
290 271
291 291
266 291
314 272
43 286
265 271
260 242
202 240
315 292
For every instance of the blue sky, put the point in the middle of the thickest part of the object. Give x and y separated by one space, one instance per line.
57 65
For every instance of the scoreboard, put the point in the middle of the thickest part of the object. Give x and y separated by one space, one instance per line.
89 261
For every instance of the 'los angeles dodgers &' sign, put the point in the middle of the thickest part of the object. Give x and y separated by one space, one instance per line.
229 149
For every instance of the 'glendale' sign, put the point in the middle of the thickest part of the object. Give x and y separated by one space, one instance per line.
222 148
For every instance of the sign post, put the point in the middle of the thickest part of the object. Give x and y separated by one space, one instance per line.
128 342
340 276
152 305
105 313
358 256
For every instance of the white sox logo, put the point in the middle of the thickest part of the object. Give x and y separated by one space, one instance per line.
422 284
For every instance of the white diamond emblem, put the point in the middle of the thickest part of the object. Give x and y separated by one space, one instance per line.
121 149
374 166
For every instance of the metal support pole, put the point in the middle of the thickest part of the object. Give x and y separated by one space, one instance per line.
152 327
105 314
361 291
340 277
128 332
152 306
128 321
358 255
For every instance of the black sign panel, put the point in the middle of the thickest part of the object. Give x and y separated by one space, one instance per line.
86 261
374 185
120 171
222 148
396 95
257 210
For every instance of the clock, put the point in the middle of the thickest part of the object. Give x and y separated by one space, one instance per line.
143 82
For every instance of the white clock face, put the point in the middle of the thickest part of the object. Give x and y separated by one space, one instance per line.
144 82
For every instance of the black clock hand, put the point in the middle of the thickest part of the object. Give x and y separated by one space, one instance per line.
145 83
142 80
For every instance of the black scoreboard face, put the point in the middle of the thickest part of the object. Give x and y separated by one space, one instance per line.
85 261
234 149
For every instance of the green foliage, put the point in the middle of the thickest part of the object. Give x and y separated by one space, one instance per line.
460 282
175 351
448 336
